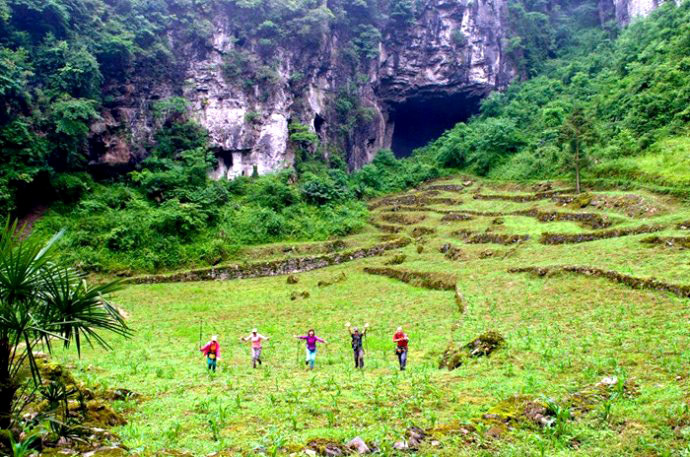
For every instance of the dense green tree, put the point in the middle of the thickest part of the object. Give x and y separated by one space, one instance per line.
576 132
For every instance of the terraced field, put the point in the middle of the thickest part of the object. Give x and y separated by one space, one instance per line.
581 301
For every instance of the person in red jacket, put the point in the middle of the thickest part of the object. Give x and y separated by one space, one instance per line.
401 339
211 351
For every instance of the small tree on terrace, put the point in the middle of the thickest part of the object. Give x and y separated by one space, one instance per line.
576 133
43 301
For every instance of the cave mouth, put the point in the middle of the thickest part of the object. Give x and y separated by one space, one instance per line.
421 119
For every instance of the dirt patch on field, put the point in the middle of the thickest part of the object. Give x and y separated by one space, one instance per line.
630 281
403 219
427 280
682 242
571 238
472 237
272 268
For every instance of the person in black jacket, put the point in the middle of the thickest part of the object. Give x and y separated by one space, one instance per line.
357 337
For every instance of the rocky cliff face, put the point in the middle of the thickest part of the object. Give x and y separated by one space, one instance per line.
449 58
627 10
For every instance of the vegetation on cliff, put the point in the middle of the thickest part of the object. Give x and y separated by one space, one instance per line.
634 91
60 58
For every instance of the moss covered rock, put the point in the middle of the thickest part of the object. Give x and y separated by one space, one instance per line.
455 355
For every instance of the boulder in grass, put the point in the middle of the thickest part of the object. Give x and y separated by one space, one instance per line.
455 355
485 344
415 436
401 445
326 447
292 279
358 445
295 295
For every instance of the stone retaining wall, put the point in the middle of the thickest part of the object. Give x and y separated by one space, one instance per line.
425 279
271 268
630 281
571 238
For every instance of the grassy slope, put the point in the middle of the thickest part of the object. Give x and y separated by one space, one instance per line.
563 333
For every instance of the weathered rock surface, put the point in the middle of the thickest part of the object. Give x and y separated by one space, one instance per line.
455 50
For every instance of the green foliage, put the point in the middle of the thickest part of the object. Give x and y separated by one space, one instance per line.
402 12
70 119
170 107
367 41
42 300
479 146
632 92
235 64
459 38
300 134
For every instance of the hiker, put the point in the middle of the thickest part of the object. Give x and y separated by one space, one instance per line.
357 343
311 340
256 338
212 352
401 349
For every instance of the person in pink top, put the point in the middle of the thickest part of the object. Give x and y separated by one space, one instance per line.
211 351
257 339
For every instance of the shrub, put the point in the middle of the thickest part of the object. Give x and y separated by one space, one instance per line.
71 187
274 192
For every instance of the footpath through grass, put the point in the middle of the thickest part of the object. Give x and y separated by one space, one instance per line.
563 333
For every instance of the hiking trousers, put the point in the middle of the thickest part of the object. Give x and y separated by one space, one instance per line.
359 357
402 357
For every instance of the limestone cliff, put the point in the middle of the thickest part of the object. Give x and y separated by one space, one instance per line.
452 54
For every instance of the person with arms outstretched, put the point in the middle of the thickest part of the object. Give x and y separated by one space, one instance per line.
211 351
401 340
257 339
357 343
311 340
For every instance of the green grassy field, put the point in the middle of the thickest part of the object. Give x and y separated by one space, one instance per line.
563 333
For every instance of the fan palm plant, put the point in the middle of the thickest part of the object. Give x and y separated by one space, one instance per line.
43 302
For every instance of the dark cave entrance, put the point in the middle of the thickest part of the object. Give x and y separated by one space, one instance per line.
421 119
